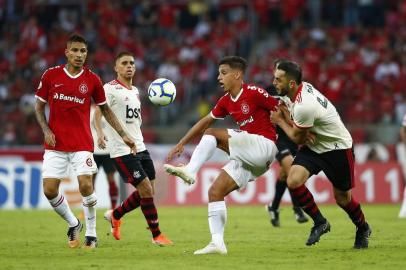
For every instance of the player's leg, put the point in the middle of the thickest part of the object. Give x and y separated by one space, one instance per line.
402 212
212 138
85 166
108 167
217 213
305 164
341 174
54 168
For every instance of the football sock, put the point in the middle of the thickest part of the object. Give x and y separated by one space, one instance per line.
353 209
217 220
132 202
280 187
203 152
294 200
113 191
89 208
306 202
61 206
151 215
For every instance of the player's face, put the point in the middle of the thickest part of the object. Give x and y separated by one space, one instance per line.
228 77
281 82
125 67
76 53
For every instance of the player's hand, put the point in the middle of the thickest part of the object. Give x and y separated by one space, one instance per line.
101 141
49 137
176 151
128 141
276 116
310 138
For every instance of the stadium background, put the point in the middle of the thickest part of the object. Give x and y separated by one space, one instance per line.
353 51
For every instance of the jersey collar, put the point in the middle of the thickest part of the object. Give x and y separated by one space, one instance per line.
299 91
72 76
123 85
238 96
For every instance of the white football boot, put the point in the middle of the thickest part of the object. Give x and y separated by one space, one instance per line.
212 248
181 172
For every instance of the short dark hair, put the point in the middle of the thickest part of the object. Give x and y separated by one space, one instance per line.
77 38
123 53
235 62
292 70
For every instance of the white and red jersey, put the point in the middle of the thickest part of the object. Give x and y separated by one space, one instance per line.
250 109
126 105
314 111
69 100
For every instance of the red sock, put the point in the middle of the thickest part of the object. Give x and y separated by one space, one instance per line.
306 201
353 209
113 191
132 202
151 215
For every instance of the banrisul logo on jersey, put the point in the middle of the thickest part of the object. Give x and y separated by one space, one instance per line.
69 98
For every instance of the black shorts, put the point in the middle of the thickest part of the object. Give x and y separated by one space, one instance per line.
106 162
134 169
338 165
285 146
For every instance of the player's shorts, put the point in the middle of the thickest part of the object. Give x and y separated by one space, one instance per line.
134 169
250 156
56 163
285 148
105 161
338 165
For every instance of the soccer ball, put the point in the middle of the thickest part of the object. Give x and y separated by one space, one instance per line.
162 92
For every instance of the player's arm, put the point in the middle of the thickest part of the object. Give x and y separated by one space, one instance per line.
49 136
115 124
96 122
196 130
299 135
403 134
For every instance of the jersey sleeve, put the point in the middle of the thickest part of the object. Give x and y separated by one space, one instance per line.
109 95
303 116
98 95
219 111
43 88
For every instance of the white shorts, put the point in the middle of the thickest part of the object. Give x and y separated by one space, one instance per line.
56 163
250 156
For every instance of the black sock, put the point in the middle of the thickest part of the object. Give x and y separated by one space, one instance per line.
280 187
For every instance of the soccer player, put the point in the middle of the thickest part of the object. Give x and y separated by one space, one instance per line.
286 151
329 150
68 90
102 157
251 148
138 170
402 212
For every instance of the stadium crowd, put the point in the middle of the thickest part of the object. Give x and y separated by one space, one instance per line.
353 50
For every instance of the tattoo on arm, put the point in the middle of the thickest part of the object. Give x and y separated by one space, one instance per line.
112 119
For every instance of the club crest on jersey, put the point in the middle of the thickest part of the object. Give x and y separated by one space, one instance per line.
245 108
89 162
83 88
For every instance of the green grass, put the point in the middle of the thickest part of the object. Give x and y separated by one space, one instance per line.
37 240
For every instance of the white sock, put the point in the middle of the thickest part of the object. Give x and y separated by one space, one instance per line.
61 206
89 208
402 212
203 152
217 221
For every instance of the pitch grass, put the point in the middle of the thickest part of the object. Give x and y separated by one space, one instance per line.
37 240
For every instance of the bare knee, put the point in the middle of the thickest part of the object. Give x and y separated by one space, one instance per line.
86 187
342 198
215 194
297 176
50 191
145 188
